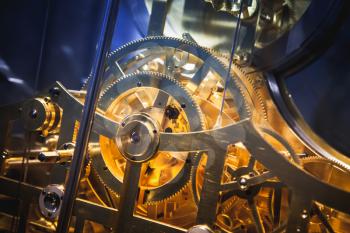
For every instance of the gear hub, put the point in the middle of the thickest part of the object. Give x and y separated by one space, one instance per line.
138 137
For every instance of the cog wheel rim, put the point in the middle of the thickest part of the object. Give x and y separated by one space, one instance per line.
171 188
211 61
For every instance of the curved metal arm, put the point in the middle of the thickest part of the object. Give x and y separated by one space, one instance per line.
203 140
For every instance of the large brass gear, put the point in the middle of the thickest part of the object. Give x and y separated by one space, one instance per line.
205 88
205 93
181 64
262 209
175 111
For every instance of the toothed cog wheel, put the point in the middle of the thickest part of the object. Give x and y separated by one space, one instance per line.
172 107
180 85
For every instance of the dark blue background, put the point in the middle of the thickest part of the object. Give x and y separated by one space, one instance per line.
47 40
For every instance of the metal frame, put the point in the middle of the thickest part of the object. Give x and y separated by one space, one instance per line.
304 187
91 99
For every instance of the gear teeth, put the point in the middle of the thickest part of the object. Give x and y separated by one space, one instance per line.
251 81
193 104
183 188
314 158
237 82
228 205
160 76
102 182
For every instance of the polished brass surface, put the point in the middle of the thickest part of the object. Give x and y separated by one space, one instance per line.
165 156
50 201
138 139
40 114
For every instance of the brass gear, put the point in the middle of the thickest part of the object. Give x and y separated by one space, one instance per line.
168 172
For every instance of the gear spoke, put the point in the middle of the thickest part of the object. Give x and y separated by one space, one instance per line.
129 194
322 218
105 126
149 94
256 216
299 214
200 74
251 163
203 140
277 201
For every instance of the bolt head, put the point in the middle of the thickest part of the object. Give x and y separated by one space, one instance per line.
33 113
243 183
41 157
135 137
55 91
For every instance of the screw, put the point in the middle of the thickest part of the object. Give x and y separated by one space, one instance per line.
304 214
47 99
243 183
135 137
55 91
41 157
168 130
33 113
172 112
4 154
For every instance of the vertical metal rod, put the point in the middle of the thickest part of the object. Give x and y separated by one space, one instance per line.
25 205
207 207
42 47
128 196
107 29
235 39
157 19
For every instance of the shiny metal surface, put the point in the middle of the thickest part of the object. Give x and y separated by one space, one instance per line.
200 229
137 138
50 201
175 137
85 126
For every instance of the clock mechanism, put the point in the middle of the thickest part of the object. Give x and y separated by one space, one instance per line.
181 138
